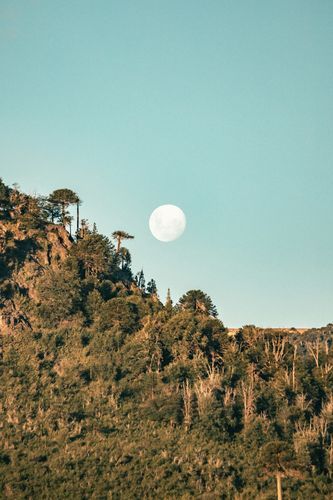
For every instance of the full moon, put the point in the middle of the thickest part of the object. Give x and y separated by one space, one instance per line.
167 222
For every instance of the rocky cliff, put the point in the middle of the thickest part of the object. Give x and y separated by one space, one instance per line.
25 253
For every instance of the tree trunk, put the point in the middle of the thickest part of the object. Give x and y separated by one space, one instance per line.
294 367
278 486
118 243
77 219
63 213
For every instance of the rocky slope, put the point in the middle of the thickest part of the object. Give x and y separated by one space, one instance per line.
25 253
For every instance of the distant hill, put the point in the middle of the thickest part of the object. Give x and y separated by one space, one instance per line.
233 331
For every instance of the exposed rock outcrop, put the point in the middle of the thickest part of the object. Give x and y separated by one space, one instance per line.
24 256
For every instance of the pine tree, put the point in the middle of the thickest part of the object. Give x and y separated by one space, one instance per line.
198 302
168 302
140 280
151 287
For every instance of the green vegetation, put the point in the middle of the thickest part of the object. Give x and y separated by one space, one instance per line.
59 201
108 393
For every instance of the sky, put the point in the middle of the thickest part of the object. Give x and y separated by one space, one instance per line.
222 108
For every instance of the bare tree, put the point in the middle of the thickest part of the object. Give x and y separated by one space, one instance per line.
248 396
187 410
314 350
276 346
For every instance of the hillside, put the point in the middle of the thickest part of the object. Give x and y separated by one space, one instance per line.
106 392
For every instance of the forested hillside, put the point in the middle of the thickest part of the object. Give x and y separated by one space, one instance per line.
106 392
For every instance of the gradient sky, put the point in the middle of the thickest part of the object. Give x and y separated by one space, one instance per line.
221 107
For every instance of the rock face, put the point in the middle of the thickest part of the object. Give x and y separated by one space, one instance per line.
24 256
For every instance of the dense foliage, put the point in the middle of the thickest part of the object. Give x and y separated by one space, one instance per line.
107 393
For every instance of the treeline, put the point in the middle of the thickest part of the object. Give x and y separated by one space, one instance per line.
35 211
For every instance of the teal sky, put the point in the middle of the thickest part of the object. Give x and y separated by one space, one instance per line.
223 108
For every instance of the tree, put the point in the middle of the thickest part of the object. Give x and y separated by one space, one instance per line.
93 304
151 287
122 261
120 314
78 203
125 258
68 219
140 280
198 302
84 230
280 460
59 294
168 303
52 210
4 196
63 198
186 336
119 236
95 255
